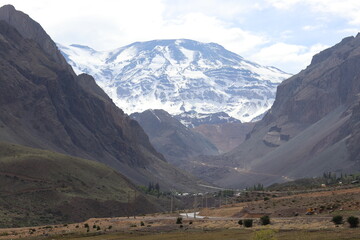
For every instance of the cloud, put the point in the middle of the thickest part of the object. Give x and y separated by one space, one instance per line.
113 23
346 9
312 27
287 56
283 4
284 29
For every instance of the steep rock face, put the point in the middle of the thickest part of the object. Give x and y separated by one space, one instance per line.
44 105
311 128
326 84
179 76
173 139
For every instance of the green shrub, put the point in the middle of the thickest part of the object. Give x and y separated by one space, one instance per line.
240 222
179 220
353 221
110 227
94 226
86 225
248 223
266 234
142 223
98 228
337 219
265 220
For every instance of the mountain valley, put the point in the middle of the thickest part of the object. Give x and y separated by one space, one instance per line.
173 139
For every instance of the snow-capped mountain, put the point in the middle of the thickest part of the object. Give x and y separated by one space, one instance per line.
193 119
179 76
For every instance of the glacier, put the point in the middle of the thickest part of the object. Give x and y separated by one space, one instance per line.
179 76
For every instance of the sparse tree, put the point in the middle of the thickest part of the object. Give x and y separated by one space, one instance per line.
337 220
353 221
248 223
179 220
265 220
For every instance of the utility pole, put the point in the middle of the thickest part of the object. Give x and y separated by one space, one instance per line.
221 193
195 205
171 203
134 203
128 205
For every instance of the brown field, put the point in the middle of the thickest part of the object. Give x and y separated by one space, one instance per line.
221 223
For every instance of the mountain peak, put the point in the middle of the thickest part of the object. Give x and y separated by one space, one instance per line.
30 29
180 75
8 8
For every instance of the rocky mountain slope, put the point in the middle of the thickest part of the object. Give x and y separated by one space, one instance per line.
179 76
225 136
43 104
171 138
313 126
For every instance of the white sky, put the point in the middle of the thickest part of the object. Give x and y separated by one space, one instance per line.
281 33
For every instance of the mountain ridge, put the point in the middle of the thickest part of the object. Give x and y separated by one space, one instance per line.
179 75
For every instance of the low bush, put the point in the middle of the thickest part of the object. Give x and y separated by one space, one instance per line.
248 223
337 220
353 221
179 220
240 222
266 234
265 220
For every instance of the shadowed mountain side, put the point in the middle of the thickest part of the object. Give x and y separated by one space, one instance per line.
177 142
44 105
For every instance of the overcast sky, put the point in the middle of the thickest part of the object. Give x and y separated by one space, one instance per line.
281 33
